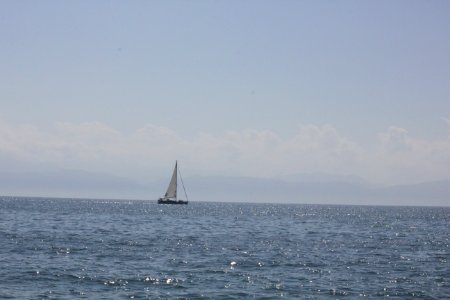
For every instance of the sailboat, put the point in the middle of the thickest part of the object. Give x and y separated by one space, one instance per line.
170 197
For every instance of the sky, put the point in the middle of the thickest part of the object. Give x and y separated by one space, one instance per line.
229 88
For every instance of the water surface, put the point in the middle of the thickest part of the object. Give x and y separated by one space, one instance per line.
105 249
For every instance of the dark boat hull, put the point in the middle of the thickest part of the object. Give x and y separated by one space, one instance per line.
168 201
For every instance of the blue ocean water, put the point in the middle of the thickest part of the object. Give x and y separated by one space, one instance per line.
105 249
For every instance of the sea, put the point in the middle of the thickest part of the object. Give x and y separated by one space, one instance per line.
120 249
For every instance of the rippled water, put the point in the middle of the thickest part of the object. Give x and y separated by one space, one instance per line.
64 249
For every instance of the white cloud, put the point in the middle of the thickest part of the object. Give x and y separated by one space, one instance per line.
321 148
395 140
402 159
148 151
447 121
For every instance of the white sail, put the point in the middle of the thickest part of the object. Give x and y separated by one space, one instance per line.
171 195
172 189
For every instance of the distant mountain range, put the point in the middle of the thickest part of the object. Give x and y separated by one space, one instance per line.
68 183
356 192
302 188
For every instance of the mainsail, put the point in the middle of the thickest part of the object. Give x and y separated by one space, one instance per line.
172 189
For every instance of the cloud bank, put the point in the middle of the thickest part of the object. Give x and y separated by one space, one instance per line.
149 152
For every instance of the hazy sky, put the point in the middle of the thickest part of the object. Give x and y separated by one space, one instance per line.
255 88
